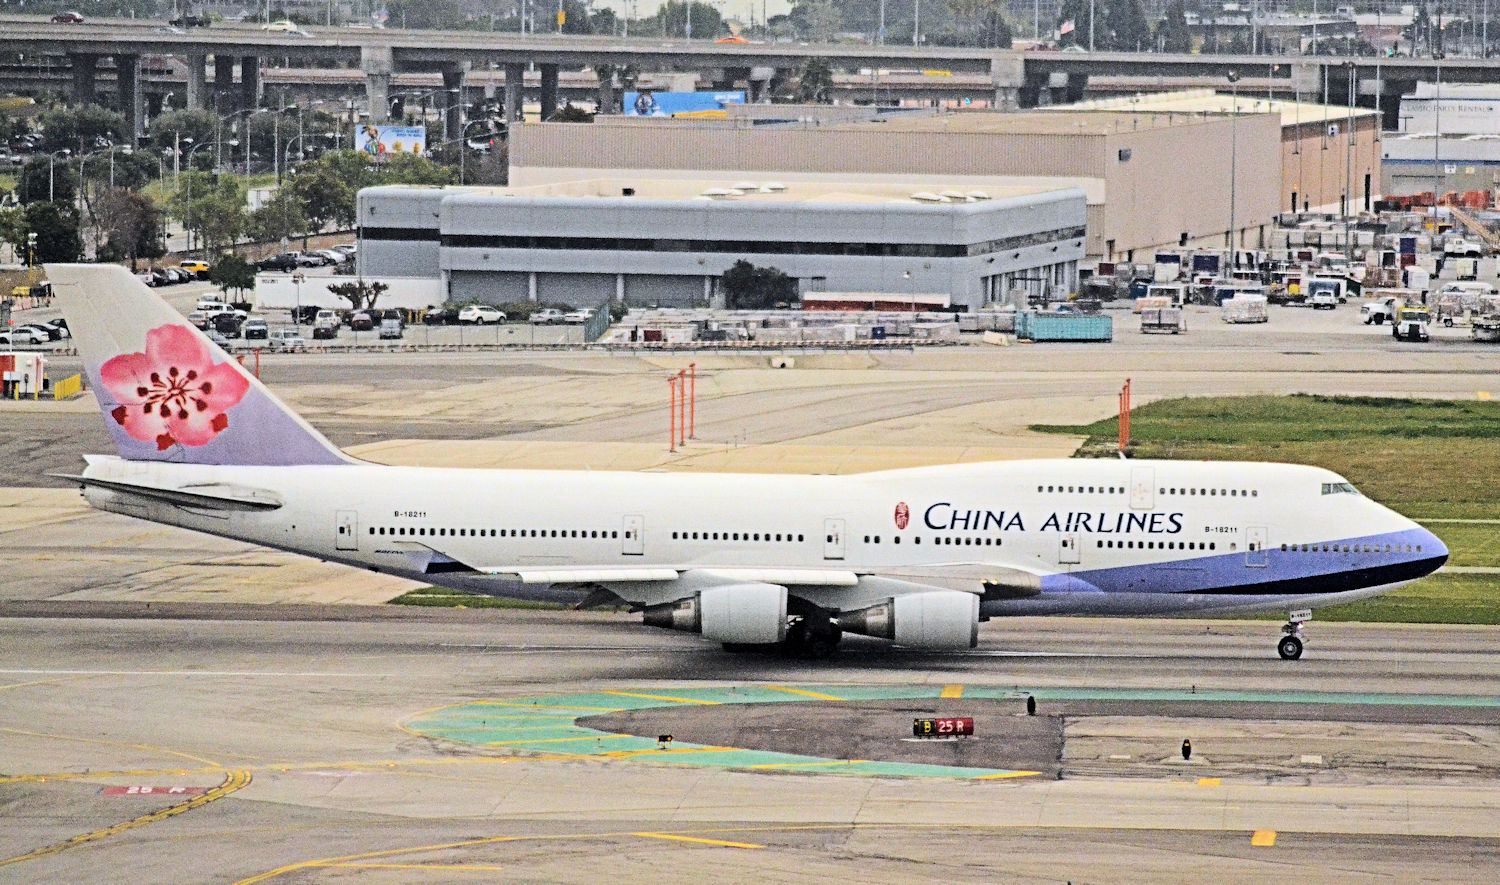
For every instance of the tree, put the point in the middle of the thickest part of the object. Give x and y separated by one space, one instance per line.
231 271
323 197
570 114
818 19
360 294
576 18
48 178
815 84
1172 31
132 225
747 287
672 17
181 129
65 127
1078 13
1125 22
212 206
426 15
279 218
56 229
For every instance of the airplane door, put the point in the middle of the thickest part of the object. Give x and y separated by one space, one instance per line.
346 535
1142 488
633 536
1255 546
1067 550
833 539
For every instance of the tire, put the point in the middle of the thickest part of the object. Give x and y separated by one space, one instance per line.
1448 321
1290 648
1379 319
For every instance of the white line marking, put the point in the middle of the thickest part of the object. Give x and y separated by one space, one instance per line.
20 672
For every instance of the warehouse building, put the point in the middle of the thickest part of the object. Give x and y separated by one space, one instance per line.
667 242
1151 181
1330 154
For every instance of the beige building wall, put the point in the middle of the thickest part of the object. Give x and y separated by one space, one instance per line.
1150 183
1315 165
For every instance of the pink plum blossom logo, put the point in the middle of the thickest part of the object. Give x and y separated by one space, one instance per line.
174 393
903 515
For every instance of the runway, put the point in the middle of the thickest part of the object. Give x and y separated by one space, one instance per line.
302 724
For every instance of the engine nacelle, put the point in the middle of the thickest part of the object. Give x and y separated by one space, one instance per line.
942 620
745 614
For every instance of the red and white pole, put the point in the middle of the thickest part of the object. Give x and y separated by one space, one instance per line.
1125 415
682 406
693 401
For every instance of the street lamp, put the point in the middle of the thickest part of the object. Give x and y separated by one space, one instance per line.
187 222
51 184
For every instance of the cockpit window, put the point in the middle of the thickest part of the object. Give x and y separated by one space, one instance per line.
1339 488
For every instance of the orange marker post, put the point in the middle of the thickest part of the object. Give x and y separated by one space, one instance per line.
672 414
693 401
1125 415
682 406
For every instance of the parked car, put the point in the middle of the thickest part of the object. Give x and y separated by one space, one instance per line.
331 256
198 269
23 335
282 25
215 337
41 332
440 316
347 249
255 329
53 334
189 21
287 339
481 314
227 324
199 319
577 317
391 328
146 277
310 259
161 277
359 321
284 262
176 275
548 316
67 18
59 325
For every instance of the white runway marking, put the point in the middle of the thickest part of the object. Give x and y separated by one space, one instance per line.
270 673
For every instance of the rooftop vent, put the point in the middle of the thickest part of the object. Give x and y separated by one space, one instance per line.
978 195
719 192
928 197
773 187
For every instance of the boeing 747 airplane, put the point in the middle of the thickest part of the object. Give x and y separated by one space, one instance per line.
919 556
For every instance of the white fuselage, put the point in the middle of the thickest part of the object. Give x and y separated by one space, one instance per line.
1096 536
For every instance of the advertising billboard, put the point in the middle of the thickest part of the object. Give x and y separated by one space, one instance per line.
670 104
378 141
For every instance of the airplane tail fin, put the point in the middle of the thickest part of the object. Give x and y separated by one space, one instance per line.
167 392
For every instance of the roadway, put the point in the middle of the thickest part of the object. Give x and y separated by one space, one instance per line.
304 733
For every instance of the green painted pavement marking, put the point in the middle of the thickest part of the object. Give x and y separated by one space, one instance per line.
1231 696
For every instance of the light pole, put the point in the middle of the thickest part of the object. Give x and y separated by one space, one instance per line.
51 185
1234 116
187 223
1349 69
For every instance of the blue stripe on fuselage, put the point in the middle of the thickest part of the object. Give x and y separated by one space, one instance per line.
1228 573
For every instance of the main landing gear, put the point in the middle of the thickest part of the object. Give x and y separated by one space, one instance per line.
810 637
1290 646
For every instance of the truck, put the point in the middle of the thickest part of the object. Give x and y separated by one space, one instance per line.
1381 308
1323 293
1411 324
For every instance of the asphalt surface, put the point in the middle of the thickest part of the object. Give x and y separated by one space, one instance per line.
302 722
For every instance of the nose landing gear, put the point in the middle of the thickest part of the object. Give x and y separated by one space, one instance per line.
1290 646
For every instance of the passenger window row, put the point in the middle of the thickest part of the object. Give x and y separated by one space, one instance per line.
421 532
1158 545
773 537
1087 490
1351 548
1212 493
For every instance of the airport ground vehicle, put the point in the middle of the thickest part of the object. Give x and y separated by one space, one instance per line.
1410 324
480 314
286 339
798 564
1378 311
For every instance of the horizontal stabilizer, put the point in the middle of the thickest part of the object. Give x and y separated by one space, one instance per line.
211 496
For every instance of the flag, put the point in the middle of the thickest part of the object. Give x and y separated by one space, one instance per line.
1067 28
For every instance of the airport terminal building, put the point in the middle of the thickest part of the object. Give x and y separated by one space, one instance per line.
660 242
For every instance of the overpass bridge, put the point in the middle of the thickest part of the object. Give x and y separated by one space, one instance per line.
500 61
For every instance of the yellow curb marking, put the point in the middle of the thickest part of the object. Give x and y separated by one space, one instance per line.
1263 838
811 694
698 840
658 697
952 691
1208 782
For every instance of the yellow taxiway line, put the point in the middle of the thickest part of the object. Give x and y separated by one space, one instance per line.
699 840
952 691
810 694
659 697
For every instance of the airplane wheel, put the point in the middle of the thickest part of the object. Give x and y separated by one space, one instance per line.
820 644
1290 648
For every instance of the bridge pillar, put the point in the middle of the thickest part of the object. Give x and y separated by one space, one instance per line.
223 83
1007 74
1075 87
453 101
128 82
759 82
515 82
249 81
197 81
607 94
549 91
378 66
85 74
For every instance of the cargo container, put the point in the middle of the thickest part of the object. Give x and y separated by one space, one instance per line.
1163 319
1245 308
1034 326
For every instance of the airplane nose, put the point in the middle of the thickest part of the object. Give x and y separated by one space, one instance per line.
1433 548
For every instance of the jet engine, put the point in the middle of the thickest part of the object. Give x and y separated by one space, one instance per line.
940 620
745 614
